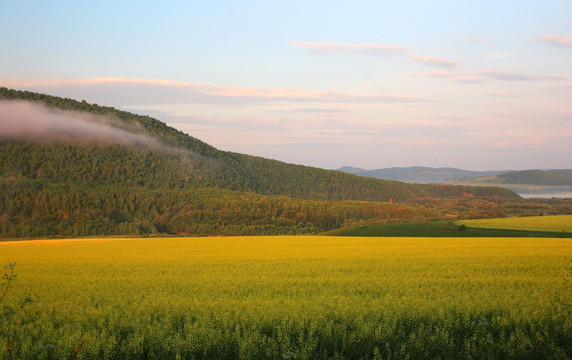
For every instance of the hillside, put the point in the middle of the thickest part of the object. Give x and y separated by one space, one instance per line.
226 169
105 171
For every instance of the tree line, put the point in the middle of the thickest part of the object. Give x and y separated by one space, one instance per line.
44 208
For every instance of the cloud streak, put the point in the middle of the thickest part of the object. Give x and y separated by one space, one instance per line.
564 41
375 50
157 91
367 49
510 76
452 76
437 62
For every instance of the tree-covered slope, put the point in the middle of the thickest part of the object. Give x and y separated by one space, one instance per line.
32 208
211 166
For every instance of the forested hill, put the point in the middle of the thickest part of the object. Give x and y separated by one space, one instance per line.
106 171
217 168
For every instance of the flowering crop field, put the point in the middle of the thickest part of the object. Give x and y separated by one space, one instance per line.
289 297
556 223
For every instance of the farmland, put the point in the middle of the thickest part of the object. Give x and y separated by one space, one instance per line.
531 226
559 223
448 229
290 297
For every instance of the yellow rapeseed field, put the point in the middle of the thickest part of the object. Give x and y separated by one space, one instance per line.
555 223
290 297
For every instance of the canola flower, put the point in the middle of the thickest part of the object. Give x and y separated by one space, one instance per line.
555 223
293 297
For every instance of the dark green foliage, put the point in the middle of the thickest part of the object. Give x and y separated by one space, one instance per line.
46 208
486 335
483 208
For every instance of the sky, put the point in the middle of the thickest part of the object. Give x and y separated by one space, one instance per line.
478 85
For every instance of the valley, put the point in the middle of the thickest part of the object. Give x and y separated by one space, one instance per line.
133 175
124 232
285 180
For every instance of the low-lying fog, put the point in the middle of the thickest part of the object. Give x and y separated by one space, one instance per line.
33 122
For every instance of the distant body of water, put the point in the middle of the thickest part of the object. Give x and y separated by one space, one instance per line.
547 196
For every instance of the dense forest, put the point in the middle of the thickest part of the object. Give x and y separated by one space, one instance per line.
67 209
66 186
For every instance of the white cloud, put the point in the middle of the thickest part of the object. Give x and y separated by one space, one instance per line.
511 76
438 62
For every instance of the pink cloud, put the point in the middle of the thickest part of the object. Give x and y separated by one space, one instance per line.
510 76
502 95
517 141
558 40
452 76
375 50
436 74
159 91
438 62
470 79
368 49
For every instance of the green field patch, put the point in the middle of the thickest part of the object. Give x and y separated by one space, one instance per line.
441 229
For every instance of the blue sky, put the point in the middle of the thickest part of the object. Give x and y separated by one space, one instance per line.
471 84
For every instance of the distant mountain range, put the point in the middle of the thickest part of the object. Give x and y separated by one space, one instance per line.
420 174
523 182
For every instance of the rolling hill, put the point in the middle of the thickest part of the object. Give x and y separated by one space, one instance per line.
69 168
529 183
419 174
537 177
